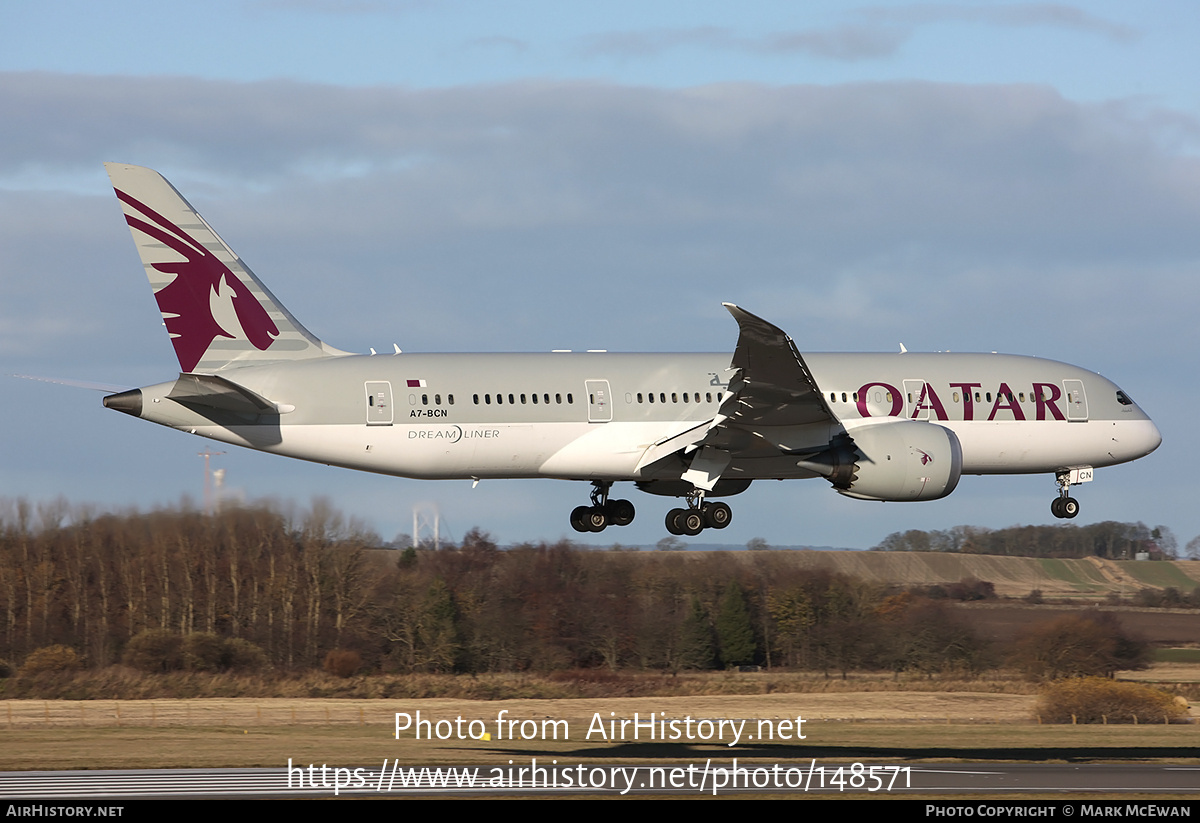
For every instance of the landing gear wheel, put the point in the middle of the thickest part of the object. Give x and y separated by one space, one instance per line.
691 522
596 519
579 518
673 517
717 515
619 512
1064 507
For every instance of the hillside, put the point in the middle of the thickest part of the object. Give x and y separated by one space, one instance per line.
1087 578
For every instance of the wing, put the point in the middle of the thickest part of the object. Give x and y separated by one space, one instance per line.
772 385
773 410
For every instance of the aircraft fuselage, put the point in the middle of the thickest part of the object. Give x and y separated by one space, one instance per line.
586 416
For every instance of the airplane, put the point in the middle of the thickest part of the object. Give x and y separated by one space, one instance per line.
882 427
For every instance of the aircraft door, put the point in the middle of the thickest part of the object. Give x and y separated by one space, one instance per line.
1077 408
599 401
379 403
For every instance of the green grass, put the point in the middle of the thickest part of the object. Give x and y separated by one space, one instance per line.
1177 655
1068 571
1157 573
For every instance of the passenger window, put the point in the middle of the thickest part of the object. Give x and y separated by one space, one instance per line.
708 396
674 398
487 398
511 401
639 397
424 400
533 397
570 398
651 397
956 397
437 400
522 400
558 399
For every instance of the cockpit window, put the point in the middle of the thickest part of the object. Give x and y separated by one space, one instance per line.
1123 399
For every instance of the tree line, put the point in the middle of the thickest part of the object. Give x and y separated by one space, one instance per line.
1110 539
302 585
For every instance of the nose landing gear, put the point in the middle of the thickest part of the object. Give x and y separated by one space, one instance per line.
1064 506
603 512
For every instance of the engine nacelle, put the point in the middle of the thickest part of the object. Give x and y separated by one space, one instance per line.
903 460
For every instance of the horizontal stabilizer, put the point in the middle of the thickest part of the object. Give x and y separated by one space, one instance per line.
218 393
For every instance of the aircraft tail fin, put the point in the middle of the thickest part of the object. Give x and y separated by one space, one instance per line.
218 314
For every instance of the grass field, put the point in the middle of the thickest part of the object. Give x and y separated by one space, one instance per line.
1087 579
882 726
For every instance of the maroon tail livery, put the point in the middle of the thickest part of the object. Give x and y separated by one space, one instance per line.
218 314
200 278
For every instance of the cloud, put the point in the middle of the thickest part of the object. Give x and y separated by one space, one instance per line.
822 202
847 43
850 42
1018 15
881 32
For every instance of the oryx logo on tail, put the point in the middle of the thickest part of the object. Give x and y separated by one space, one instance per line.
205 300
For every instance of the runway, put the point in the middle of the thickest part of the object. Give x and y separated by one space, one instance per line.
696 779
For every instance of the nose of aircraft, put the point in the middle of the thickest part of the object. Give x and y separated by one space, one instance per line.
1137 438
1153 437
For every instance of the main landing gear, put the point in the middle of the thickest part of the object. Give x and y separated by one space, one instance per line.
603 512
1064 506
698 516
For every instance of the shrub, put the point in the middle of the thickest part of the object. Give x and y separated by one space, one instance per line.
970 588
6 669
203 652
154 650
241 655
1078 646
341 663
51 659
1100 700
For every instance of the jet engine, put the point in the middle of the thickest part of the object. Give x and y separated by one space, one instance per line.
896 461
